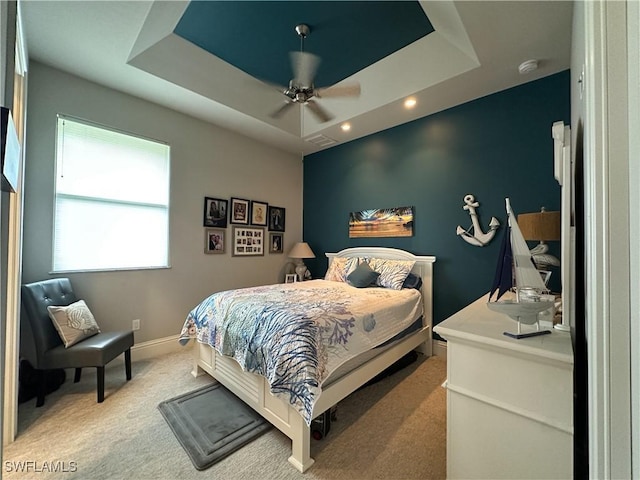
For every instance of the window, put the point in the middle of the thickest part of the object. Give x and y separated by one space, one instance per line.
111 200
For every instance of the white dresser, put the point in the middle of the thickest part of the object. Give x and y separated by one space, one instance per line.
509 402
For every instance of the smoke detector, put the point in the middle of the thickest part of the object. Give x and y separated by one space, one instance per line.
528 67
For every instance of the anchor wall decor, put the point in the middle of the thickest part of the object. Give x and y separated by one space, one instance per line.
478 237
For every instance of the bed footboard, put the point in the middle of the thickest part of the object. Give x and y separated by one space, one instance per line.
254 391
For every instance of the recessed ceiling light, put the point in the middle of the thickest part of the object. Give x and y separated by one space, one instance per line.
345 127
410 102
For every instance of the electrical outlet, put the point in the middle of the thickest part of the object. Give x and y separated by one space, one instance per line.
136 324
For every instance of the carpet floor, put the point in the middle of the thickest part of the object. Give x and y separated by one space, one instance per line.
394 429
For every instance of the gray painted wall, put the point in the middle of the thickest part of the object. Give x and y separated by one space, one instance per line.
205 161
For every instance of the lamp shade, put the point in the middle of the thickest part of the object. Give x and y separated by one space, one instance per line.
301 250
542 226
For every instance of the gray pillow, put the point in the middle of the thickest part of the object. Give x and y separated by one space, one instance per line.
363 276
412 281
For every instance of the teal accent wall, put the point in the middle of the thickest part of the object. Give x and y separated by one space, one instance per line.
494 147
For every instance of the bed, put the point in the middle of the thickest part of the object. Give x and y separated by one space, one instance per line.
353 344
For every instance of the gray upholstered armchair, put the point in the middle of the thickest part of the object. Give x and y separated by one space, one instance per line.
47 350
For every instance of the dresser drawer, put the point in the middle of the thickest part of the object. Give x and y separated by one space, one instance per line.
538 388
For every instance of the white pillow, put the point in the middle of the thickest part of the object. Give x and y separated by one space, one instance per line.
341 267
74 322
393 273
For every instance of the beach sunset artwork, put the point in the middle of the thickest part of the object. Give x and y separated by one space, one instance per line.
382 222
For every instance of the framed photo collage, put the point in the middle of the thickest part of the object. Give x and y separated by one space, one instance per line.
256 227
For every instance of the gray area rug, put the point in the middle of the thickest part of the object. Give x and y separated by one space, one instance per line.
211 422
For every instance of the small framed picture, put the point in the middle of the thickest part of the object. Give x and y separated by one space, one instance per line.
275 243
276 219
259 211
248 241
239 211
215 212
214 240
290 278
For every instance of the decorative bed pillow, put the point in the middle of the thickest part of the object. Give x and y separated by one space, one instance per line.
74 322
392 272
340 267
362 276
412 281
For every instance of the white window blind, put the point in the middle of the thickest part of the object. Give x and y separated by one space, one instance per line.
111 200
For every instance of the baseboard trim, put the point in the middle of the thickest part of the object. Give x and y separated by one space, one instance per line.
157 347
440 348
163 346
154 348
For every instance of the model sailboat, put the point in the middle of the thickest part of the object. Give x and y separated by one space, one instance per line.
516 269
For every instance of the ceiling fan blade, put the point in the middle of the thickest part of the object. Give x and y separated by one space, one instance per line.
275 86
320 113
304 66
281 111
346 90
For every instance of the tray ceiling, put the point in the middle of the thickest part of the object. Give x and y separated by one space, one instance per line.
441 53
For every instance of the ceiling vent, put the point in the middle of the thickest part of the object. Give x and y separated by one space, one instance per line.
321 140
528 67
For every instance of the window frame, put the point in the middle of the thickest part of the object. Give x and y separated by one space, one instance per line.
56 194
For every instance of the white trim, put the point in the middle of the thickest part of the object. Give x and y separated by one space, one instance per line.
157 348
607 208
440 349
598 356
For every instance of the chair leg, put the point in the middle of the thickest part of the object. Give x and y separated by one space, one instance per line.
127 363
42 388
100 374
76 377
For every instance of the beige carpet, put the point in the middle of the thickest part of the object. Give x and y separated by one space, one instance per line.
394 429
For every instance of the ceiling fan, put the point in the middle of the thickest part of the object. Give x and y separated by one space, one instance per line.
301 89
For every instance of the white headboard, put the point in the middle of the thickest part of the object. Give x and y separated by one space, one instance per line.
423 268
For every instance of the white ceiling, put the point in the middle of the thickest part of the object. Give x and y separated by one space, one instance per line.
129 46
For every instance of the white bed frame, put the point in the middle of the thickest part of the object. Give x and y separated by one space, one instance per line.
254 389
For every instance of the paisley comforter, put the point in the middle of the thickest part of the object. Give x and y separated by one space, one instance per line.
296 334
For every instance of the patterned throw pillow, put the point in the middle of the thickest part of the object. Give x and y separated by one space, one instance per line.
74 322
392 272
339 269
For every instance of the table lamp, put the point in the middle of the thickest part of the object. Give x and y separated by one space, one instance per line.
299 251
542 226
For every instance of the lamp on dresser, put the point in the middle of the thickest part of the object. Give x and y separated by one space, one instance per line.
542 226
300 251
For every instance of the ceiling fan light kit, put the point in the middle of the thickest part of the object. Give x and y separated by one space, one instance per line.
301 89
303 30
